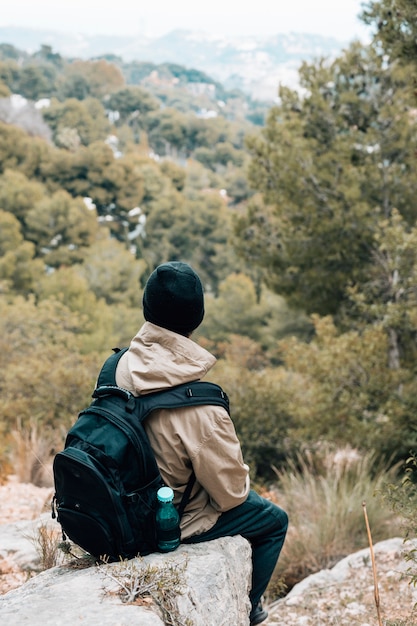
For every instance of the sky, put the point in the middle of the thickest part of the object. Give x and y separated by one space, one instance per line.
336 18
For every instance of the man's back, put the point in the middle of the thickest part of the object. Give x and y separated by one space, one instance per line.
202 439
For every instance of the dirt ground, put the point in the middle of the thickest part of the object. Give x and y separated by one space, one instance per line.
22 501
19 502
353 601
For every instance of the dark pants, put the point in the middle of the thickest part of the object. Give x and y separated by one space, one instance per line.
264 525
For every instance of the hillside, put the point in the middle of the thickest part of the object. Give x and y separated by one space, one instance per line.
254 64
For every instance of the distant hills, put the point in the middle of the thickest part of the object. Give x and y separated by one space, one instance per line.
255 65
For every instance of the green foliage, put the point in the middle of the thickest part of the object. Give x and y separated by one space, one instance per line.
132 103
19 151
112 273
198 180
341 374
388 296
209 229
86 118
36 81
167 131
95 322
8 51
61 227
10 235
329 164
33 391
33 337
222 154
18 193
136 71
9 72
81 79
51 351
175 172
190 75
236 310
208 133
350 394
236 185
34 76
125 324
92 171
402 498
19 271
193 225
46 55
259 403
167 229
395 27
239 310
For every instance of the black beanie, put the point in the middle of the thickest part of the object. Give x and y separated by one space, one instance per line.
173 298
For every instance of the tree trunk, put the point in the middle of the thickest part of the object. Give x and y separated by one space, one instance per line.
393 350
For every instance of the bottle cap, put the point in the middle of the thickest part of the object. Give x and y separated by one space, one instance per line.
165 494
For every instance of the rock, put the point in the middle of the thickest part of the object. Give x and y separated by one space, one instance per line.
214 593
18 541
215 575
344 569
345 594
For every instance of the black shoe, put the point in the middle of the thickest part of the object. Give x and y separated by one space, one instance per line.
257 615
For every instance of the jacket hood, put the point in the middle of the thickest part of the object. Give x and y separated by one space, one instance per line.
159 358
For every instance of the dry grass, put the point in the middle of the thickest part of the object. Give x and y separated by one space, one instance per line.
31 457
324 504
46 540
152 585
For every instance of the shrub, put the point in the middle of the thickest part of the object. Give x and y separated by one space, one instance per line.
259 409
402 498
323 497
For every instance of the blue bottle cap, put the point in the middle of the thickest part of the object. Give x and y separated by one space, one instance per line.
165 494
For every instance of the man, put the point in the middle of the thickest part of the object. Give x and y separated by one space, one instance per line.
202 438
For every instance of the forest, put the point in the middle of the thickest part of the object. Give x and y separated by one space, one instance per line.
300 219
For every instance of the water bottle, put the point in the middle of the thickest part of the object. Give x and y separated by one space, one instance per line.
168 532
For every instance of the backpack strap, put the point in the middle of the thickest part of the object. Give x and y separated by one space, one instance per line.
196 393
186 495
107 375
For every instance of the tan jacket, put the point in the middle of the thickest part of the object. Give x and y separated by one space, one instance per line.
199 438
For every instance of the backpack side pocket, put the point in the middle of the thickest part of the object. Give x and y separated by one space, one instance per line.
88 505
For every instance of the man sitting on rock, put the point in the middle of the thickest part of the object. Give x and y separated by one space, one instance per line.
198 438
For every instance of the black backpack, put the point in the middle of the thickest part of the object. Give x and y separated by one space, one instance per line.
106 478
